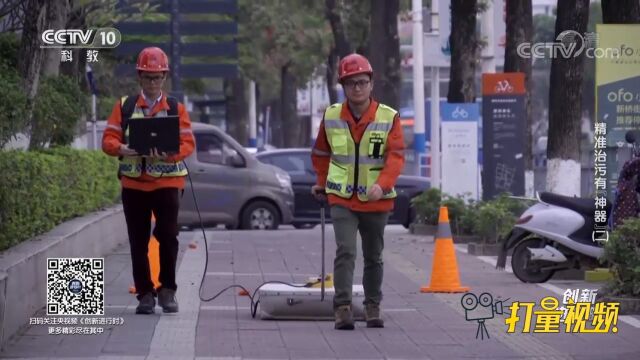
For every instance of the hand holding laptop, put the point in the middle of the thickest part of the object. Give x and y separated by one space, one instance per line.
156 154
126 151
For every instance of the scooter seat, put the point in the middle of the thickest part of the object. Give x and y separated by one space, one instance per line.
584 206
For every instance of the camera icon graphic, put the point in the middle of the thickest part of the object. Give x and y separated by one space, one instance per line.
480 309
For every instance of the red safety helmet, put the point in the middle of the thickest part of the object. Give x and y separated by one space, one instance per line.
152 59
353 64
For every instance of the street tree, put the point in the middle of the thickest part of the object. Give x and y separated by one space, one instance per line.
31 56
384 51
621 11
57 18
565 104
520 30
287 49
350 28
465 48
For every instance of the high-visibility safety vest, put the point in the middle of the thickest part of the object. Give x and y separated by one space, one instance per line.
131 166
356 167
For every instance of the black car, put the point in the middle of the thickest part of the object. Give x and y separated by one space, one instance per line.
297 162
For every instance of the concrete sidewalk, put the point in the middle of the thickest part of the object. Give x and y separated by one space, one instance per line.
418 326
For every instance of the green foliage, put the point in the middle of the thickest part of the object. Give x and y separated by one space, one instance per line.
9 47
495 218
57 111
427 206
103 13
490 219
272 35
41 189
355 18
465 223
462 215
105 106
493 221
622 251
13 103
456 208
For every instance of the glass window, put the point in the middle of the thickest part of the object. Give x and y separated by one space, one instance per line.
211 149
294 164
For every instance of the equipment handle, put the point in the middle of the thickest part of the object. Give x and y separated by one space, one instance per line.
322 235
321 196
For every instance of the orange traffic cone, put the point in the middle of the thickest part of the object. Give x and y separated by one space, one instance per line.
154 259
444 276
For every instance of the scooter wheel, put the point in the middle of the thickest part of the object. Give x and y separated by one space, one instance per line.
523 268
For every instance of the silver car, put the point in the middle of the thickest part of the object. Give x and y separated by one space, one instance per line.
232 187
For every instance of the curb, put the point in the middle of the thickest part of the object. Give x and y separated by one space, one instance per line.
23 276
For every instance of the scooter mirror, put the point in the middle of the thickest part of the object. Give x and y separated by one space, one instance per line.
630 137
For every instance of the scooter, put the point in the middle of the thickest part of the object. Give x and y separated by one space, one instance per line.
556 233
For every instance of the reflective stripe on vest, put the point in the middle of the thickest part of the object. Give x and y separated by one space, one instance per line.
131 166
370 153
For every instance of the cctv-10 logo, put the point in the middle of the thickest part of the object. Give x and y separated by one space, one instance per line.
75 38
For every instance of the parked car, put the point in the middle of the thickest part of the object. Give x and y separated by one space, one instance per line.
297 162
254 150
232 187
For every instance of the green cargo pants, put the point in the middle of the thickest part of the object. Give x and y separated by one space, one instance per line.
346 224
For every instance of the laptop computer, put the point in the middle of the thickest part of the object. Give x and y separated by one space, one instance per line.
162 133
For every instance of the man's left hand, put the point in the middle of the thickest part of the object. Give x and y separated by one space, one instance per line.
158 155
374 193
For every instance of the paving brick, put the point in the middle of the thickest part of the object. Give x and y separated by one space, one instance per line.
418 326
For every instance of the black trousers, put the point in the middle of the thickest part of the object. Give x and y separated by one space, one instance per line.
138 205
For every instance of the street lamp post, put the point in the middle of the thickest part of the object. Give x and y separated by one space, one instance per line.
418 83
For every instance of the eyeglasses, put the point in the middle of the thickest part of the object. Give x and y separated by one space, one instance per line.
360 83
152 78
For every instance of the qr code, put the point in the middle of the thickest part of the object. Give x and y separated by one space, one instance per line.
75 286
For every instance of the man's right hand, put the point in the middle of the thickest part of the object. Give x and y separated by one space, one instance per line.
125 151
319 193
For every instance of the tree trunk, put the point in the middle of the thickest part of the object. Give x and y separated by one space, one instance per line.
75 69
237 110
31 57
384 51
342 45
565 105
288 96
464 51
57 18
275 124
621 11
519 30
331 76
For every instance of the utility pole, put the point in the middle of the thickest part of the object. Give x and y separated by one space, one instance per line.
435 104
252 114
418 84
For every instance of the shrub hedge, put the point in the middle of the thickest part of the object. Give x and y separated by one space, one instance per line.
41 189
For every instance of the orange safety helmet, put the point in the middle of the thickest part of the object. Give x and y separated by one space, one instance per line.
152 59
354 64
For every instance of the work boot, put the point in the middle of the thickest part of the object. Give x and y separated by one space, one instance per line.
372 316
344 318
147 304
167 299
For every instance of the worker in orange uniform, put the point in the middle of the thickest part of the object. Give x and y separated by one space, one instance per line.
358 155
150 182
